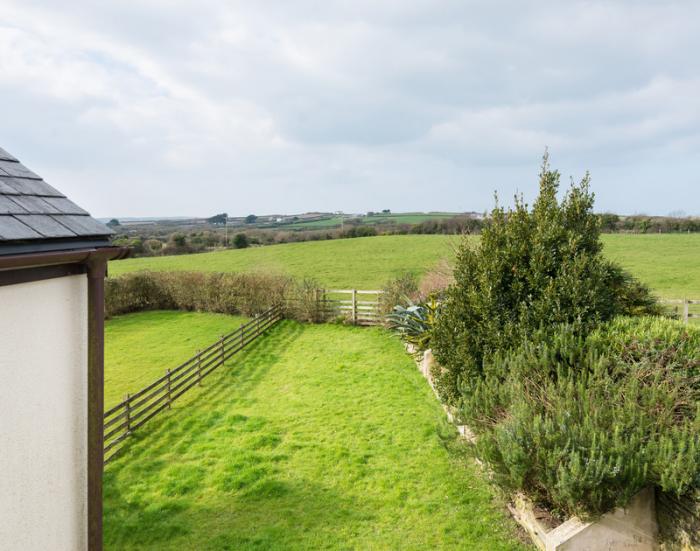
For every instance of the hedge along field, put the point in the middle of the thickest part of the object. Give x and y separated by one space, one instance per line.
140 347
668 263
299 445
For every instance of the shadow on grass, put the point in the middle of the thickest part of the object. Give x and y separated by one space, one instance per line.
272 514
203 452
244 370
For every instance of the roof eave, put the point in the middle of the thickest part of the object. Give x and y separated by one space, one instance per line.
72 256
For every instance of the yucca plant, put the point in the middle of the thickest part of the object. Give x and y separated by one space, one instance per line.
414 323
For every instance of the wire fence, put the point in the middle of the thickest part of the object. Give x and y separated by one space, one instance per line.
140 407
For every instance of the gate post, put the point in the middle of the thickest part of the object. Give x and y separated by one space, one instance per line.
354 306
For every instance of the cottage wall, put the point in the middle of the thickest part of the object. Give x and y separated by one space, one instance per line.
43 415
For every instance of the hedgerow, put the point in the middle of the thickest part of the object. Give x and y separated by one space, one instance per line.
226 293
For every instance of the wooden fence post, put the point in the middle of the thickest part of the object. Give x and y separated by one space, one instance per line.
127 406
168 387
153 394
317 315
686 310
354 306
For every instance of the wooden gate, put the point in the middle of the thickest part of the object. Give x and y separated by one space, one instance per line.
360 307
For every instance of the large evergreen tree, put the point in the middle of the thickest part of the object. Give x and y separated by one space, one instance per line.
534 268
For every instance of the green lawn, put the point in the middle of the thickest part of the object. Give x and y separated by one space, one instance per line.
140 347
670 264
317 437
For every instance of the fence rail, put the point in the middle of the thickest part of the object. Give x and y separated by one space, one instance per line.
140 407
361 307
683 307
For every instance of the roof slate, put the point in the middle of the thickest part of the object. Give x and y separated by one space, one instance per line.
32 211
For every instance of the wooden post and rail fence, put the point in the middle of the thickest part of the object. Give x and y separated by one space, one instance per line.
359 307
136 409
121 420
682 308
362 307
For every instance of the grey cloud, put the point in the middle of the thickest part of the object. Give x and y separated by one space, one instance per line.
288 106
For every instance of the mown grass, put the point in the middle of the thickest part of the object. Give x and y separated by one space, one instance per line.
317 437
140 347
668 263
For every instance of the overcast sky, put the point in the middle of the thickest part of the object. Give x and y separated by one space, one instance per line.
190 108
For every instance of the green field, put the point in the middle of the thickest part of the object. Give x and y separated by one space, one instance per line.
140 347
409 217
669 263
296 444
398 218
320 224
365 262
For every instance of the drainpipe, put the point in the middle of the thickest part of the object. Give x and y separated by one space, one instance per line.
97 270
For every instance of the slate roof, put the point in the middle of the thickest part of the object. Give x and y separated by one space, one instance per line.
33 213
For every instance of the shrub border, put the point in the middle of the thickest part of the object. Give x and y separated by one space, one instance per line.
633 527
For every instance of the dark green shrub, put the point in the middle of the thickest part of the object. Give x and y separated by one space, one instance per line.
533 269
240 241
668 344
632 297
581 424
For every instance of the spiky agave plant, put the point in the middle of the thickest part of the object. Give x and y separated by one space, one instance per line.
414 323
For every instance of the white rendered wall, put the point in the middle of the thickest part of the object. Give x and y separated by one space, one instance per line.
43 415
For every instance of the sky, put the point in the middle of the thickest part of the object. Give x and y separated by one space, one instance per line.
171 108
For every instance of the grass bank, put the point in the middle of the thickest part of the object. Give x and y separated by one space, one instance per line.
300 445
